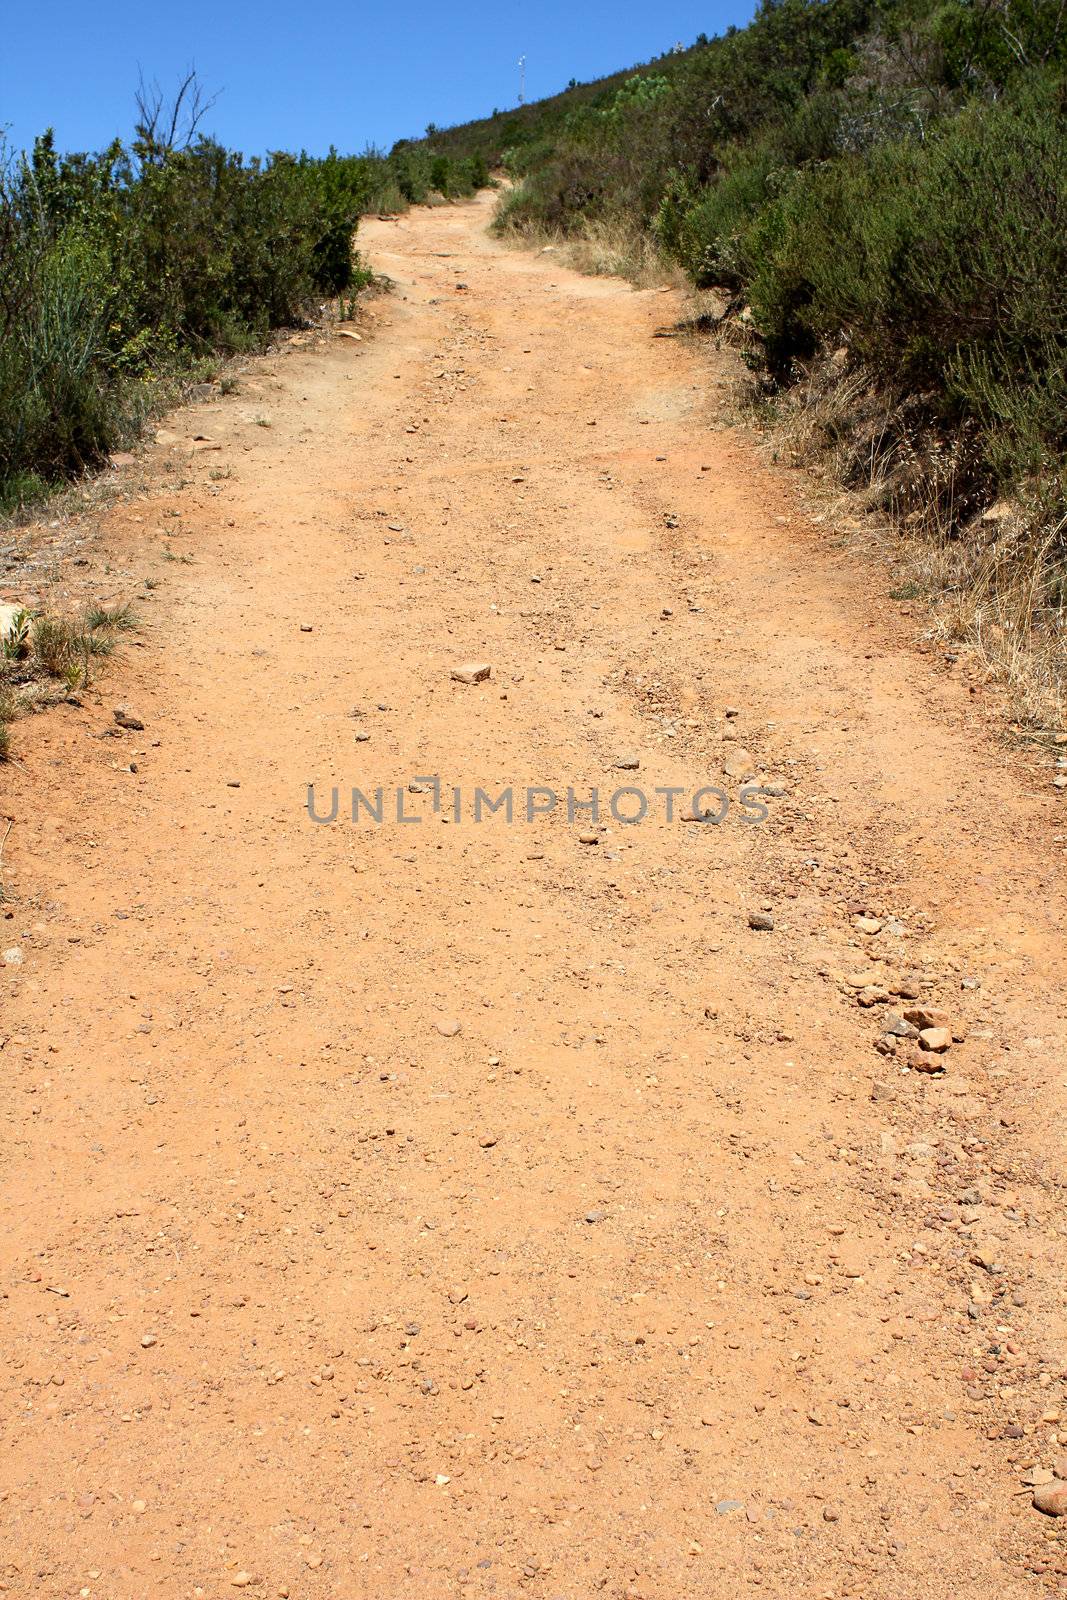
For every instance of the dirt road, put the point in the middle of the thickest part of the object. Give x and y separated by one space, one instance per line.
461 1207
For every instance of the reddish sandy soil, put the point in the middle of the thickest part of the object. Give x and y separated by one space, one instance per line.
656 1279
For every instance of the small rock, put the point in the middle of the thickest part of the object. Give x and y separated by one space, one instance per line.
448 1027
867 924
898 1027
306 627
726 1506
472 672
936 1039
589 838
13 957
487 1141
147 1341
761 922
926 1017
595 1216
872 995
626 763
126 719
920 1060
241 1580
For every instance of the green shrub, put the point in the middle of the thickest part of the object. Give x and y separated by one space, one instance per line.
121 268
708 235
55 413
944 267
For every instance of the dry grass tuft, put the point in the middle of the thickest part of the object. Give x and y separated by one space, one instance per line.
600 249
994 576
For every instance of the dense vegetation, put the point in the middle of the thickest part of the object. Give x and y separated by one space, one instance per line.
882 179
123 269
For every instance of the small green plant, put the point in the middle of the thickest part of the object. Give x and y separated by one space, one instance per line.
62 645
22 489
52 645
110 618
57 645
15 643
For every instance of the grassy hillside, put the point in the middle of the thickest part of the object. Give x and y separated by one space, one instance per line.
125 270
882 185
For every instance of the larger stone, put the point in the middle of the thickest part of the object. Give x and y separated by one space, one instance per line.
472 672
739 765
1051 1498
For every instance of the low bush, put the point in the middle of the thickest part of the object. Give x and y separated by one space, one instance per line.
943 266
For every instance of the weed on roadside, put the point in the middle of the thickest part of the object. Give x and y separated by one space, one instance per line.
45 658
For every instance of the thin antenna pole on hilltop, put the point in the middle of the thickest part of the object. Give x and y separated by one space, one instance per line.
522 80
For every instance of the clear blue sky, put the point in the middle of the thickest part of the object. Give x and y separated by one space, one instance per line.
306 76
